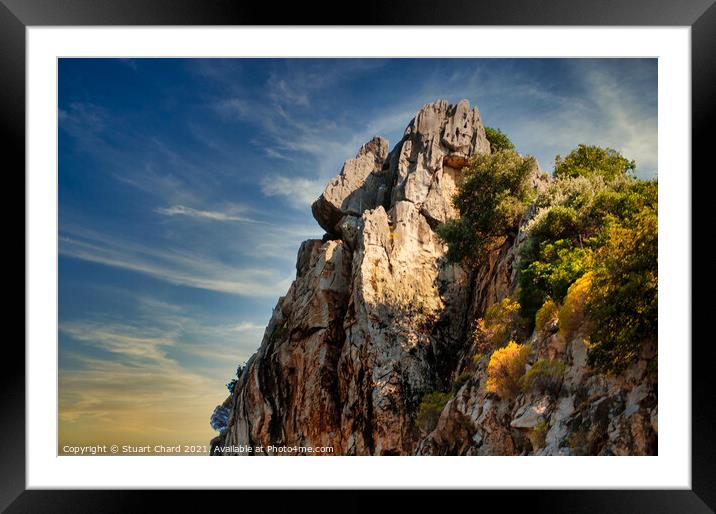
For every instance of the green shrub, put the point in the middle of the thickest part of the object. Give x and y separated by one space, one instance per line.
546 313
623 299
593 160
506 368
498 140
559 265
538 435
559 222
492 197
431 405
545 376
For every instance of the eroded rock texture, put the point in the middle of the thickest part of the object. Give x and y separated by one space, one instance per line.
376 317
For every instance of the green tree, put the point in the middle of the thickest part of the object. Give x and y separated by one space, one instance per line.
498 140
623 298
590 160
559 265
491 200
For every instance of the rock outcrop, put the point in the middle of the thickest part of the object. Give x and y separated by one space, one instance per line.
376 317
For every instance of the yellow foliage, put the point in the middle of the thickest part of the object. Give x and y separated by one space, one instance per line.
506 368
546 313
571 314
495 328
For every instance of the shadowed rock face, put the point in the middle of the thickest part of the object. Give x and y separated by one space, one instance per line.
376 316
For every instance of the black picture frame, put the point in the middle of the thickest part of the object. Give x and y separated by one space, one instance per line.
700 15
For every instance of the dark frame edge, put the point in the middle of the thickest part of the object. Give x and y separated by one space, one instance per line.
702 496
12 141
703 410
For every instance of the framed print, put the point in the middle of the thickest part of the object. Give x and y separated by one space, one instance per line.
440 252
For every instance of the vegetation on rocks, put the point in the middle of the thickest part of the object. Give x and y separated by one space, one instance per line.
545 376
498 140
538 435
592 160
506 368
493 195
623 298
590 251
497 326
431 405
548 312
571 314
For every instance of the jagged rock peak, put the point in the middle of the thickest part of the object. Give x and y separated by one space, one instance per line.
346 193
422 168
460 128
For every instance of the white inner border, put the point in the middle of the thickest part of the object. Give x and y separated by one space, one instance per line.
671 468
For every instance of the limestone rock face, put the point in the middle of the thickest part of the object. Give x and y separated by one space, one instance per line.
426 164
360 186
376 317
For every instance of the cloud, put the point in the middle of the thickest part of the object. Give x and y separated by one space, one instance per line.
282 92
180 210
83 118
298 192
125 340
163 373
176 266
275 154
124 402
247 326
231 108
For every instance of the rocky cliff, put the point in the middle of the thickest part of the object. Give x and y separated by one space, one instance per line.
376 317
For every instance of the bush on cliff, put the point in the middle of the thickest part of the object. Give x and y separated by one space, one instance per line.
623 298
593 190
431 405
546 313
589 160
545 376
497 326
594 233
491 199
572 312
498 140
560 264
538 435
506 368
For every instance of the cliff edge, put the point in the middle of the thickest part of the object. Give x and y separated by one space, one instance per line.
376 317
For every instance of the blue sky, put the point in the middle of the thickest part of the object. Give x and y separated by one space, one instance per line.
185 190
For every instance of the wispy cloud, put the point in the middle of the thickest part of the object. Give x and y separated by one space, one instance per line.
116 401
299 192
135 342
232 108
247 326
180 210
176 266
149 383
